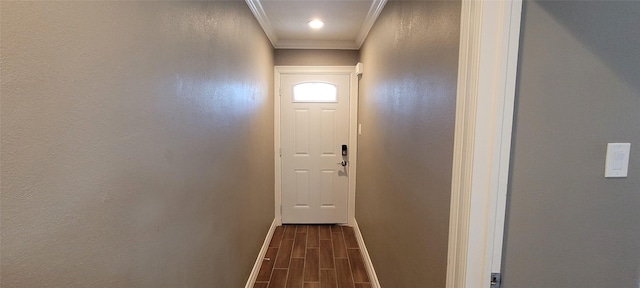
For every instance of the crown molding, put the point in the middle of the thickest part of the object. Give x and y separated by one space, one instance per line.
258 11
372 16
261 16
316 44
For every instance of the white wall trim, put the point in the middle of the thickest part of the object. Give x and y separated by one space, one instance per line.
353 131
353 143
372 16
373 277
509 48
373 13
261 16
489 39
276 146
263 251
316 44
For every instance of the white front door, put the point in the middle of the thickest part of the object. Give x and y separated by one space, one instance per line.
314 127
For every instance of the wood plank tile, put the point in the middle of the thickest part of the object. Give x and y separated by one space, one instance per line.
328 278
312 265
296 268
301 229
339 249
300 245
336 229
289 232
284 254
343 274
278 278
350 237
358 270
311 285
325 232
326 254
267 265
313 240
277 237
362 285
261 285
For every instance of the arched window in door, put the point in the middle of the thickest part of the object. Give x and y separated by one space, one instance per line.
315 92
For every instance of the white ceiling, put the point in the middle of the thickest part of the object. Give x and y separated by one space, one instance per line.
346 22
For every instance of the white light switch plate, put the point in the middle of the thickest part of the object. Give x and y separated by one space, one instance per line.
617 164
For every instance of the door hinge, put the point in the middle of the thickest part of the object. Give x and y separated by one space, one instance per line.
280 152
495 280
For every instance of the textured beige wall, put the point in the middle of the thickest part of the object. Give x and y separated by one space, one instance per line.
313 57
405 153
578 88
136 143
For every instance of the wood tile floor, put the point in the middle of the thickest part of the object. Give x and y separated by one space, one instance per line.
313 256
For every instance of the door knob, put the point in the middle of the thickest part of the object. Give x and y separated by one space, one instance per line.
343 163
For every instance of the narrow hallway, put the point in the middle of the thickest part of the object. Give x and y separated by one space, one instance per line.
311 256
140 136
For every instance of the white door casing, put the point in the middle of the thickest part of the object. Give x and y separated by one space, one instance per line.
489 41
294 163
314 172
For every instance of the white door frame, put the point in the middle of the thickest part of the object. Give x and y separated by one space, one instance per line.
353 136
489 40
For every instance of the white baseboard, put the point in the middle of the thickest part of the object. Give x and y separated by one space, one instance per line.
263 251
373 278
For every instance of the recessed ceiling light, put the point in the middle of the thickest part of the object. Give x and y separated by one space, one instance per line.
315 24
